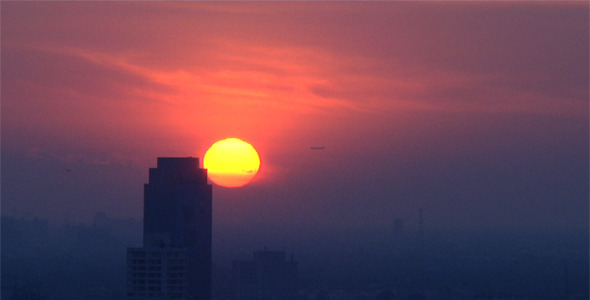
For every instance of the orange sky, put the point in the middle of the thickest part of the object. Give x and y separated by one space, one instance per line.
382 85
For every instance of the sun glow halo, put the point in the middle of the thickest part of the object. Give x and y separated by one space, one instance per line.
231 162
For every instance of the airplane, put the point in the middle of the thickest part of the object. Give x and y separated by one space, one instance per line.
317 147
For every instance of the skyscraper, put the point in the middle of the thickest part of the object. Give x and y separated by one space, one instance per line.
175 260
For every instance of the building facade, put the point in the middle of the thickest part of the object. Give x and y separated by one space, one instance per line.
157 273
175 260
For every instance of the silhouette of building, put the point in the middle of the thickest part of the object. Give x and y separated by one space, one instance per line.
269 276
175 260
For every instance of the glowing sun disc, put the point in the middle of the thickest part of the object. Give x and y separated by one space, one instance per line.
231 162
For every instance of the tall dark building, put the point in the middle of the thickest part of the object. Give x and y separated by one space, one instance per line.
175 260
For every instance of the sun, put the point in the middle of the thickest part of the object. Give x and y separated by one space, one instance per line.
231 162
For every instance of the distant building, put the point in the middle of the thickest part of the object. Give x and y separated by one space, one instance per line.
175 260
269 276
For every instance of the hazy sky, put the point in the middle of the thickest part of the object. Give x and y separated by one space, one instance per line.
475 112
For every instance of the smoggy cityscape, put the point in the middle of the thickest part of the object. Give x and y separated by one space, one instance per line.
88 261
295 150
